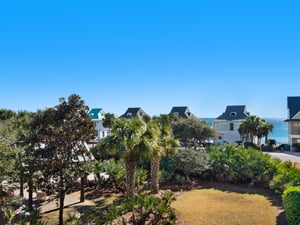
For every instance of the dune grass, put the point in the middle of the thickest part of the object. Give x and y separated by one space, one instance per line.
216 207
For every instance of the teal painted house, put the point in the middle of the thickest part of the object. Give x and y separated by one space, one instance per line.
97 115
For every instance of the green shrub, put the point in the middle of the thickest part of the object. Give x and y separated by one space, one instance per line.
240 165
179 179
286 175
114 169
191 162
291 202
142 209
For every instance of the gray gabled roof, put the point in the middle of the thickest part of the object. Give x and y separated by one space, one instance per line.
234 112
293 104
133 112
182 111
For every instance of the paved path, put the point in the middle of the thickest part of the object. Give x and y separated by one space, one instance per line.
70 200
285 156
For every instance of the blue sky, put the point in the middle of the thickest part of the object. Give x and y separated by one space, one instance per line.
151 54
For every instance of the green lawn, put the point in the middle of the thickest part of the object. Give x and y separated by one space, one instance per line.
217 207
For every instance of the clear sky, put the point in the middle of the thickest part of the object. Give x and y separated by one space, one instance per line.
204 54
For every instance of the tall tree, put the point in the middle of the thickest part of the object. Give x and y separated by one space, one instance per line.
166 147
253 126
267 128
6 114
131 138
13 129
21 125
192 131
57 142
108 120
8 154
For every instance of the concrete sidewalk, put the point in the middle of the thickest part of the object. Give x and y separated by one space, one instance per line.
72 199
286 156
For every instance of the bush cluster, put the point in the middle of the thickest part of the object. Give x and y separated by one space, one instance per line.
240 165
142 209
291 202
286 175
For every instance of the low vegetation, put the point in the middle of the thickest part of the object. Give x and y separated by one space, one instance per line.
291 201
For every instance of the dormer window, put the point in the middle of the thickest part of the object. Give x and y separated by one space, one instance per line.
129 114
233 114
176 113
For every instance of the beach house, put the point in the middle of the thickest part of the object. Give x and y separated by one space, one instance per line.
293 105
97 115
181 111
227 124
133 112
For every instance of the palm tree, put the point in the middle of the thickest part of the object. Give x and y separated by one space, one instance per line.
266 129
254 126
249 127
131 138
167 146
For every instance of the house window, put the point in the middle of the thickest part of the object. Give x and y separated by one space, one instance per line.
231 126
103 134
233 114
96 133
220 138
129 114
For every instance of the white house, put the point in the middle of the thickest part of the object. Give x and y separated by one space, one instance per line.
97 115
227 124
293 105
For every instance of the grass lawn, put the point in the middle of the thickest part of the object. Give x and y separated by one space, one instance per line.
220 207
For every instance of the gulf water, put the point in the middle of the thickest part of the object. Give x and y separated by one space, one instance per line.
279 133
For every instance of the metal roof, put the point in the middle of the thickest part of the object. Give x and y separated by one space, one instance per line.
293 104
96 113
234 112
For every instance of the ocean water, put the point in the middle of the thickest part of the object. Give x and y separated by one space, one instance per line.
279 133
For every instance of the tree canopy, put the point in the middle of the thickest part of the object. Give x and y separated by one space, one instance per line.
254 126
192 131
57 144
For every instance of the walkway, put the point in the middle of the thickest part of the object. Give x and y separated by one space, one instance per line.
285 156
70 200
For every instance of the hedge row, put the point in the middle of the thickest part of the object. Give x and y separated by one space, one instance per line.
291 202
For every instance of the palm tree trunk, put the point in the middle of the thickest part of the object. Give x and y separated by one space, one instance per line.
130 164
266 139
155 176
